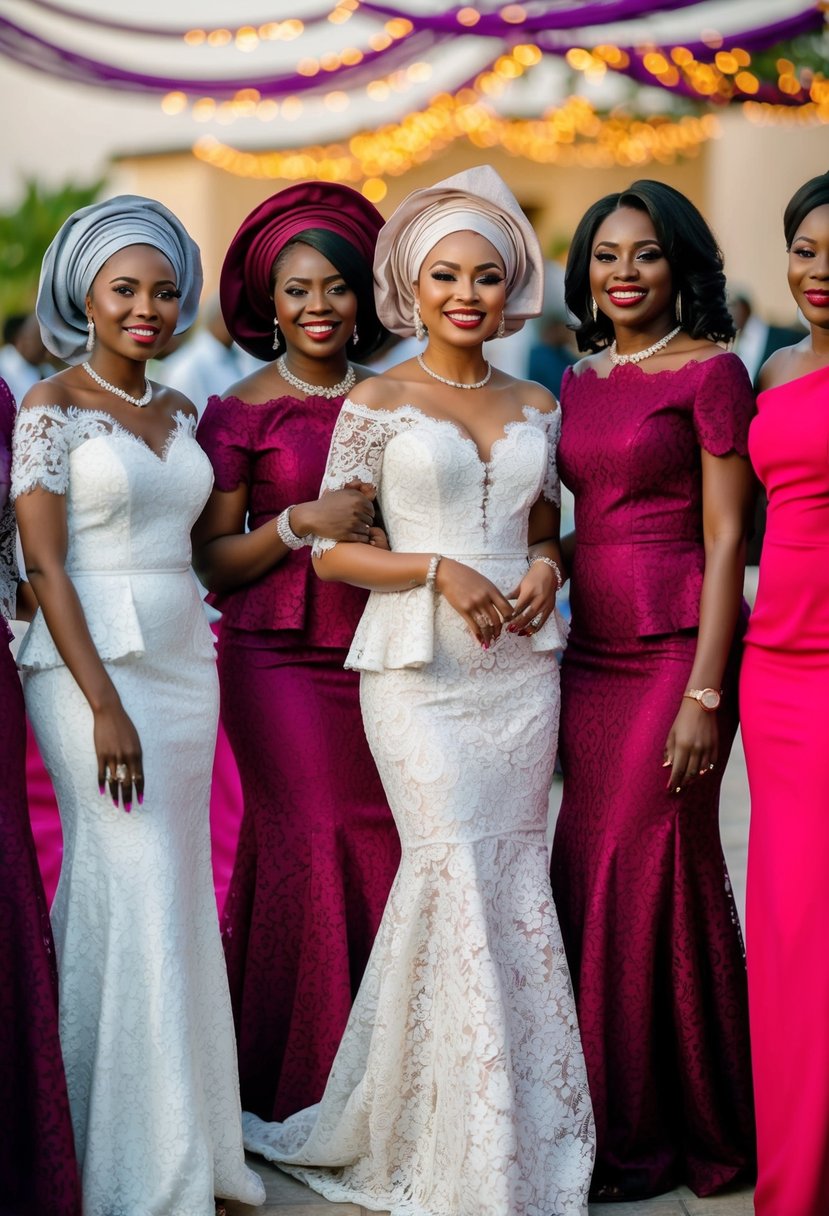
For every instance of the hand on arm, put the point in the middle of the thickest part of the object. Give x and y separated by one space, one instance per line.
535 595
41 518
691 749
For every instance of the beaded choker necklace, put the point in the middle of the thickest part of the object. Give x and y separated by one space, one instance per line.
145 399
317 390
455 383
639 355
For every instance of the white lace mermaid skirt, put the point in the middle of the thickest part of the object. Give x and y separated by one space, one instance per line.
459 1088
145 1019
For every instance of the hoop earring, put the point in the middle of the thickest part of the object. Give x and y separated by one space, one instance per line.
502 327
594 308
90 341
678 307
275 334
419 327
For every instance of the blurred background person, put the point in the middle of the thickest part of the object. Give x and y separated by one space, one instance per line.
756 340
23 355
208 361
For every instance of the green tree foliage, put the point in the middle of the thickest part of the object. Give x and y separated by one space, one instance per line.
25 234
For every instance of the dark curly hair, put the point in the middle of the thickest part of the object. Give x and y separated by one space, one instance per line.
814 193
689 245
358 275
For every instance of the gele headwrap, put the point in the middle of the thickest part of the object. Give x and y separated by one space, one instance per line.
81 247
245 285
477 200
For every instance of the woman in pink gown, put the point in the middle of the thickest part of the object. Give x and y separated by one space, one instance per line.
653 446
785 711
318 848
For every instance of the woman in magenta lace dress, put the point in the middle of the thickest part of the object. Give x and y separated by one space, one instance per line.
38 1170
318 849
784 702
654 427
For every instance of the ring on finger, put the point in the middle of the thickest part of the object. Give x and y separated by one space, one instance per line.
536 621
121 773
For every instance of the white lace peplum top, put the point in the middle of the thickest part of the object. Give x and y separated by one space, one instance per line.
120 498
436 495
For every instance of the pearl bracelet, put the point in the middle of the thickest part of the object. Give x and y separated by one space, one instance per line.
432 572
554 566
286 532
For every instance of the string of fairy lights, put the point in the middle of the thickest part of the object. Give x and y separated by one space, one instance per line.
394 54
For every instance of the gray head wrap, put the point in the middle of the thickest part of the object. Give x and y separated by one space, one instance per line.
477 200
81 247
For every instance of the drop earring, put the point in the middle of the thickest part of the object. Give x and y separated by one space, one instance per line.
502 327
419 327
90 341
355 337
275 334
678 307
594 308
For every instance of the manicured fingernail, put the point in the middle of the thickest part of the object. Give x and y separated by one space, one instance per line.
140 798
115 801
666 764
485 645
101 787
128 807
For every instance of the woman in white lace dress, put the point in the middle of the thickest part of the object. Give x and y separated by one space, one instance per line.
459 1088
121 690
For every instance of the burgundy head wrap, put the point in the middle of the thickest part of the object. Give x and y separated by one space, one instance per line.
245 285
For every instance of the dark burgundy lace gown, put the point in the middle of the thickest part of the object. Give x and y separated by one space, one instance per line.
639 878
317 848
38 1173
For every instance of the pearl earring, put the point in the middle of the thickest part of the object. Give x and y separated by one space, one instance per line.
275 334
419 327
90 341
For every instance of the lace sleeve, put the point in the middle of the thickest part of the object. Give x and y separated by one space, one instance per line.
41 451
356 452
551 487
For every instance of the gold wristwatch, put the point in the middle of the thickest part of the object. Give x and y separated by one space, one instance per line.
708 698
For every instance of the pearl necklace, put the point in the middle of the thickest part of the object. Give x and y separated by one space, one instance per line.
616 360
455 383
317 390
120 392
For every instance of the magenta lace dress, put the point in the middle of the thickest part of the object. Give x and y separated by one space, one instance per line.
38 1173
642 893
317 849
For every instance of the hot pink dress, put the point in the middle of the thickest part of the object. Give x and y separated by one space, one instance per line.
639 878
785 716
318 848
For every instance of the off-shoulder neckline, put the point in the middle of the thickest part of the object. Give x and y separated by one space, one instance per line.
665 371
455 427
258 405
795 380
75 412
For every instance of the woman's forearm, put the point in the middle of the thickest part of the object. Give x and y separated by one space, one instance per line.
371 568
62 611
227 562
722 590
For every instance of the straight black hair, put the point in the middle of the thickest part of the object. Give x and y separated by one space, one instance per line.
814 193
358 275
689 245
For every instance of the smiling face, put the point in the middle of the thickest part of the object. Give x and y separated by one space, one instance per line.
809 267
462 289
134 302
315 307
630 276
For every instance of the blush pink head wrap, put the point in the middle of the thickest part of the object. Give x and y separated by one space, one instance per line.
477 200
245 285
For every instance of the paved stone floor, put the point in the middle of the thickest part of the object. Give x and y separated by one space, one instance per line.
287 1197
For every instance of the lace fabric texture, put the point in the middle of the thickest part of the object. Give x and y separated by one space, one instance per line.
477 511
145 1019
8 554
459 1088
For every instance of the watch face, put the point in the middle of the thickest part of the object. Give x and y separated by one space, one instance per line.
710 698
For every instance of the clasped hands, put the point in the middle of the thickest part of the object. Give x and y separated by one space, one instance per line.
486 610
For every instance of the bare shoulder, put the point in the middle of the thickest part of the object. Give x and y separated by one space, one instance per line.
592 362
55 390
259 386
783 365
388 391
536 397
701 350
173 402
